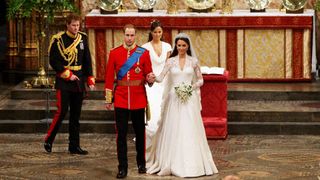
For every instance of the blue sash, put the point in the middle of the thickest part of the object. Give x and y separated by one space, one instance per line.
130 62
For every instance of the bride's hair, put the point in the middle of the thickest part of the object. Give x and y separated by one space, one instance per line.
175 50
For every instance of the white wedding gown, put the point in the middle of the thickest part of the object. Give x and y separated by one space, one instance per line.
180 146
154 93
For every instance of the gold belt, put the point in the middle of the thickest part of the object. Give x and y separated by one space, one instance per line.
130 83
74 68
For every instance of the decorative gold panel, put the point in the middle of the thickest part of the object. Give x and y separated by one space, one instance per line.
264 53
222 49
205 43
288 53
240 53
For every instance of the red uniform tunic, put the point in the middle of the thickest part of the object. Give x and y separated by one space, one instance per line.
128 96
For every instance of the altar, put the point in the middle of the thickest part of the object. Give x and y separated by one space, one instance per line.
270 46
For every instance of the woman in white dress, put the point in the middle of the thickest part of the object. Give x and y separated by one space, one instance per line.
159 52
180 146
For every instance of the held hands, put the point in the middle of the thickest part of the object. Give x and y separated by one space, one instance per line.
151 78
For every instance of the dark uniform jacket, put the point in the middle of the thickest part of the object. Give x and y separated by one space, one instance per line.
69 54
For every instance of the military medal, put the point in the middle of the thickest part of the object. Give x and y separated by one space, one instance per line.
81 45
137 70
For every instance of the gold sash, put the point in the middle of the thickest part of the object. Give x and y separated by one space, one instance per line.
70 53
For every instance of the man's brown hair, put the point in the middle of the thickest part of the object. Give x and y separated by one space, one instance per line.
72 17
129 26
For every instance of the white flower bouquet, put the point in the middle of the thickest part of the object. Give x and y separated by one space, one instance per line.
183 91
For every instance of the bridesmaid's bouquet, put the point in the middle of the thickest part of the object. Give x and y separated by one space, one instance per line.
183 91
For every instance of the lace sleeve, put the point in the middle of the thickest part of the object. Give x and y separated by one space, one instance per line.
199 79
164 71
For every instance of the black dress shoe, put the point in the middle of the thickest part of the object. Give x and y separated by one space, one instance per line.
142 169
48 147
122 174
77 150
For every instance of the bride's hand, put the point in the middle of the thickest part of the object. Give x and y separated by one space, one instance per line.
151 78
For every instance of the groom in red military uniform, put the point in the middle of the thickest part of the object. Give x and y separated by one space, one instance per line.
132 66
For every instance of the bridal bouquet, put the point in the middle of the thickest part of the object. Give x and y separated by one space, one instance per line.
183 91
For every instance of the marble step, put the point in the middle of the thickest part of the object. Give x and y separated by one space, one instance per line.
253 108
274 91
234 128
13 109
238 110
236 91
274 128
42 126
19 92
244 117
273 117
273 111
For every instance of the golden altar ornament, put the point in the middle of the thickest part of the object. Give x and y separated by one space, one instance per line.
226 7
172 7
294 6
40 81
145 5
109 6
258 5
200 5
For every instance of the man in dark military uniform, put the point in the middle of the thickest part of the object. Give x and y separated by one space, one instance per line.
70 58
132 65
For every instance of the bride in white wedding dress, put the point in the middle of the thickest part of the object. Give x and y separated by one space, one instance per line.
180 146
159 52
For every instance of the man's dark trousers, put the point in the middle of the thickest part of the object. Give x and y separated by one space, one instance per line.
66 99
122 117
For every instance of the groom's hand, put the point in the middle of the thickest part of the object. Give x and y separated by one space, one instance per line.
151 78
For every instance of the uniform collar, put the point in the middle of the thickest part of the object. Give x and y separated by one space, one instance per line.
71 35
129 48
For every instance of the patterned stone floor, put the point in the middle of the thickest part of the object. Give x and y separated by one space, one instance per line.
248 156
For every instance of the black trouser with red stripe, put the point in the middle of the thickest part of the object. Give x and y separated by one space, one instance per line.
66 99
122 117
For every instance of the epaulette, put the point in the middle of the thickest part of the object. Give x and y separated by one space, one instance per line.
143 48
55 36
116 48
83 33
58 35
